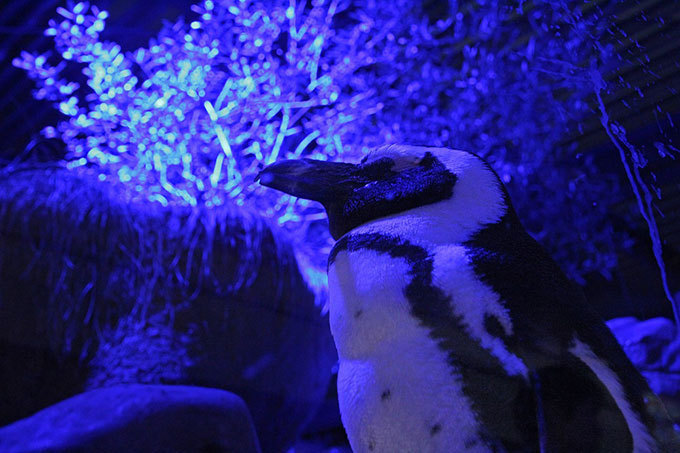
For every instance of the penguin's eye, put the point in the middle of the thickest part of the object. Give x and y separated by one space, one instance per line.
385 167
378 169
427 160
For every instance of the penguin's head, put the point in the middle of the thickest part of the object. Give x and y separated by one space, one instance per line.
426 187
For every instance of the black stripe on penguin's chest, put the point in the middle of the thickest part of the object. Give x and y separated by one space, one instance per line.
504 404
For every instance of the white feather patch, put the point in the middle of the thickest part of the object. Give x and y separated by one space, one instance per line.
397 392
643 442
477 200
472 300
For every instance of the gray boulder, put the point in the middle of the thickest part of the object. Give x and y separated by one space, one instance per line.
653 346
102 291
137 419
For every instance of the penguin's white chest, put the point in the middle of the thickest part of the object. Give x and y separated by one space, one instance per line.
397 390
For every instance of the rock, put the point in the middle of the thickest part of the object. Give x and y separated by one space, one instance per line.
620 327
663 383
319 447
670 358
644 341
326 426
654 348
123 292
137 418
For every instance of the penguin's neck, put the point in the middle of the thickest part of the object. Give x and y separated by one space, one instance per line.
434 225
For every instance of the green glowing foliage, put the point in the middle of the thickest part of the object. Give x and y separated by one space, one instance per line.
191 118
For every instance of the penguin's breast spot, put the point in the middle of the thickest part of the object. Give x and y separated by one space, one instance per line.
397 387
367 302
410 401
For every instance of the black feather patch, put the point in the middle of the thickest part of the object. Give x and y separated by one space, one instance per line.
503 403
388 192
548 311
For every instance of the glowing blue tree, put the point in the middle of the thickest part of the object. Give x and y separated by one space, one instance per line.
190 118
193 117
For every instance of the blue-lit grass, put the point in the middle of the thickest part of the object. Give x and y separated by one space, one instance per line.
133 291
191 118
88 259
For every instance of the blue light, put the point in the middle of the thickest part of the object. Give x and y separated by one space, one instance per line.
212 107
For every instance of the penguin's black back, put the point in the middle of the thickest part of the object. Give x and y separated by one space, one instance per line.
548 311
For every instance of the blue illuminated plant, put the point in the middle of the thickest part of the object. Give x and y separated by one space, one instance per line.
192 118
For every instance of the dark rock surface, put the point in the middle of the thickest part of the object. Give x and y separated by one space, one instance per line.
137 419
318 447
646 342
653 346
98 291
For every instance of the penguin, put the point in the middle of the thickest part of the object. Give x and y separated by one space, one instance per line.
455 330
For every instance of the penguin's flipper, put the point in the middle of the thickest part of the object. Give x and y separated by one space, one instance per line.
576 412
664 430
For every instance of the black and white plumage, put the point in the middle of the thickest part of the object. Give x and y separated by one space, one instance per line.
454 329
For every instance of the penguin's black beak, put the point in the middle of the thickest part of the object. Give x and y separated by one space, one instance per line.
317 180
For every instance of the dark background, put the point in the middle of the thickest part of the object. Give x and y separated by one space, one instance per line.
635 288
